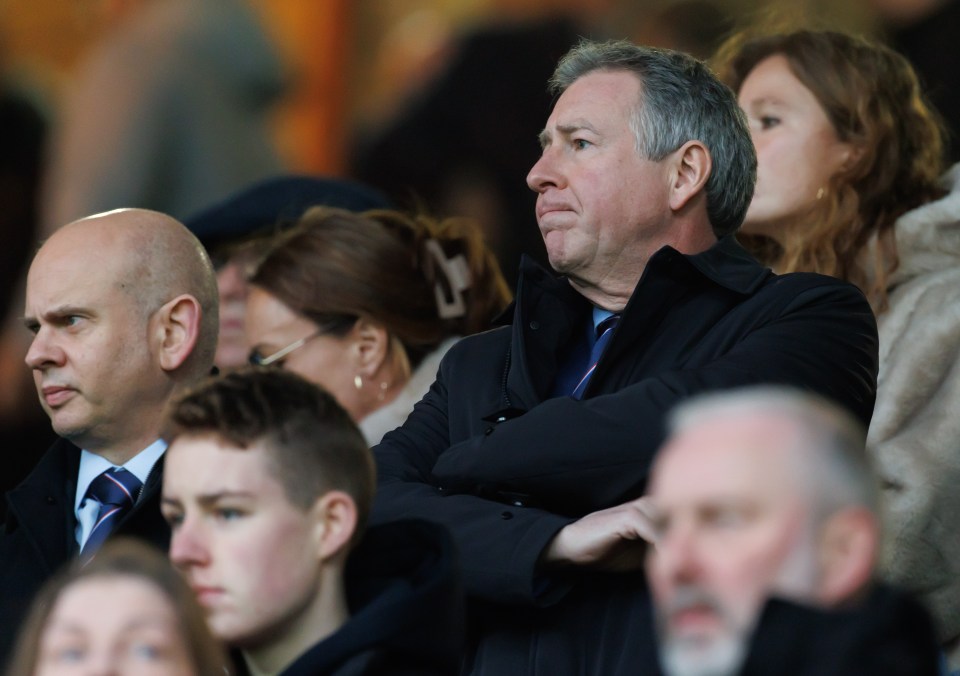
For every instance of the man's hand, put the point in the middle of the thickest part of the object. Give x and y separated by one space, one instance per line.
612 539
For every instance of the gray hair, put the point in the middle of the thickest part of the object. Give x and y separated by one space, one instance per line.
680 100
829 444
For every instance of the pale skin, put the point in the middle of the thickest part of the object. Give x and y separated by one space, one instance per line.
104 362
798 151
267 572
597 233
328 360
117 624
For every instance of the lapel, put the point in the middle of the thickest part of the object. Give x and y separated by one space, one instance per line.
547 313
42 507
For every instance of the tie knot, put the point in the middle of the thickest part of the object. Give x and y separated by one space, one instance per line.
607 324
116 486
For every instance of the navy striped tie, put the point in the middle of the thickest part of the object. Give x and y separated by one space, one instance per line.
604 331
116 490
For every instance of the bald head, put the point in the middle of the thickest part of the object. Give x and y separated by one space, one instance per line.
123 306
152 258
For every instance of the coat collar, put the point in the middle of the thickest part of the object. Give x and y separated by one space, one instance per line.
42 506
726 263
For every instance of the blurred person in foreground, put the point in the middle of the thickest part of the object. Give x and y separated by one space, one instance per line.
169 111
122 308
267 488
850 184
766 492
125 612
535 441
366 305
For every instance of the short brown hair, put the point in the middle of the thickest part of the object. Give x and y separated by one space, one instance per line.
124 557
313 445
873 100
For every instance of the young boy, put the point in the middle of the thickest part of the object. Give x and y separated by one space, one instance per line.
267 487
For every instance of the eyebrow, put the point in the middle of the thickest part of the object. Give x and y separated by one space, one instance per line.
566 130
209 498
137 623
59 311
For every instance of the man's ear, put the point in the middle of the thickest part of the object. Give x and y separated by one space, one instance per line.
370 346
335 521
177 328
849 542
690 168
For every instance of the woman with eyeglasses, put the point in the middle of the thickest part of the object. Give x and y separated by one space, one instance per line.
365 305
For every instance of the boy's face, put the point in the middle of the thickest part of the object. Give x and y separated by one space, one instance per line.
249 554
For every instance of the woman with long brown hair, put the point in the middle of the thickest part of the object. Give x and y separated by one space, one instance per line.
851 184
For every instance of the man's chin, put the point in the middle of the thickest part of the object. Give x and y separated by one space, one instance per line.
700 654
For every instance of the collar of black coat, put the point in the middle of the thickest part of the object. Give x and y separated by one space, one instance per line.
726 263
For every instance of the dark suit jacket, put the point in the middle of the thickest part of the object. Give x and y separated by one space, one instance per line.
504 467
38 536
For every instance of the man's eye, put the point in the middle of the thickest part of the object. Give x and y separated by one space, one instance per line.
727 518
173 519
580 144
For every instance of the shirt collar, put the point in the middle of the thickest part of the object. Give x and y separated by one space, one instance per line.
93 465
599 314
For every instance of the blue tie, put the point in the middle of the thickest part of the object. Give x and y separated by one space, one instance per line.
116 490
604 331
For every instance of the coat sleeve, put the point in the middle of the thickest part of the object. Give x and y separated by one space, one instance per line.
569 457
575 457
499 543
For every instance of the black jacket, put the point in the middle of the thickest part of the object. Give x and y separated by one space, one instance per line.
406 608
890 634
38 536
488 454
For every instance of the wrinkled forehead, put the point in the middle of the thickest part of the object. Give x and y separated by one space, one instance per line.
72 270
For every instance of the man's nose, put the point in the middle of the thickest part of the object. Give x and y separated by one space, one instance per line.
44 351
544 172
187 546
676 555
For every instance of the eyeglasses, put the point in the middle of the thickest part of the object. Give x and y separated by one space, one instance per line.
258 359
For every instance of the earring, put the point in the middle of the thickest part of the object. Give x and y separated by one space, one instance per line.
382 394
358 381
820 193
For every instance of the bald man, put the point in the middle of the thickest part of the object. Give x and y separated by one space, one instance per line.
123 311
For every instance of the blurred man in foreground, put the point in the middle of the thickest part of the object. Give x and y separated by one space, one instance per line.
762 493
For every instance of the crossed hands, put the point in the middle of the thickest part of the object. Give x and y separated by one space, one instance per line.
613 540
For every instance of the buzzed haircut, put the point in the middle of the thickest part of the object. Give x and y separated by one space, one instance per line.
829 443
312 444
